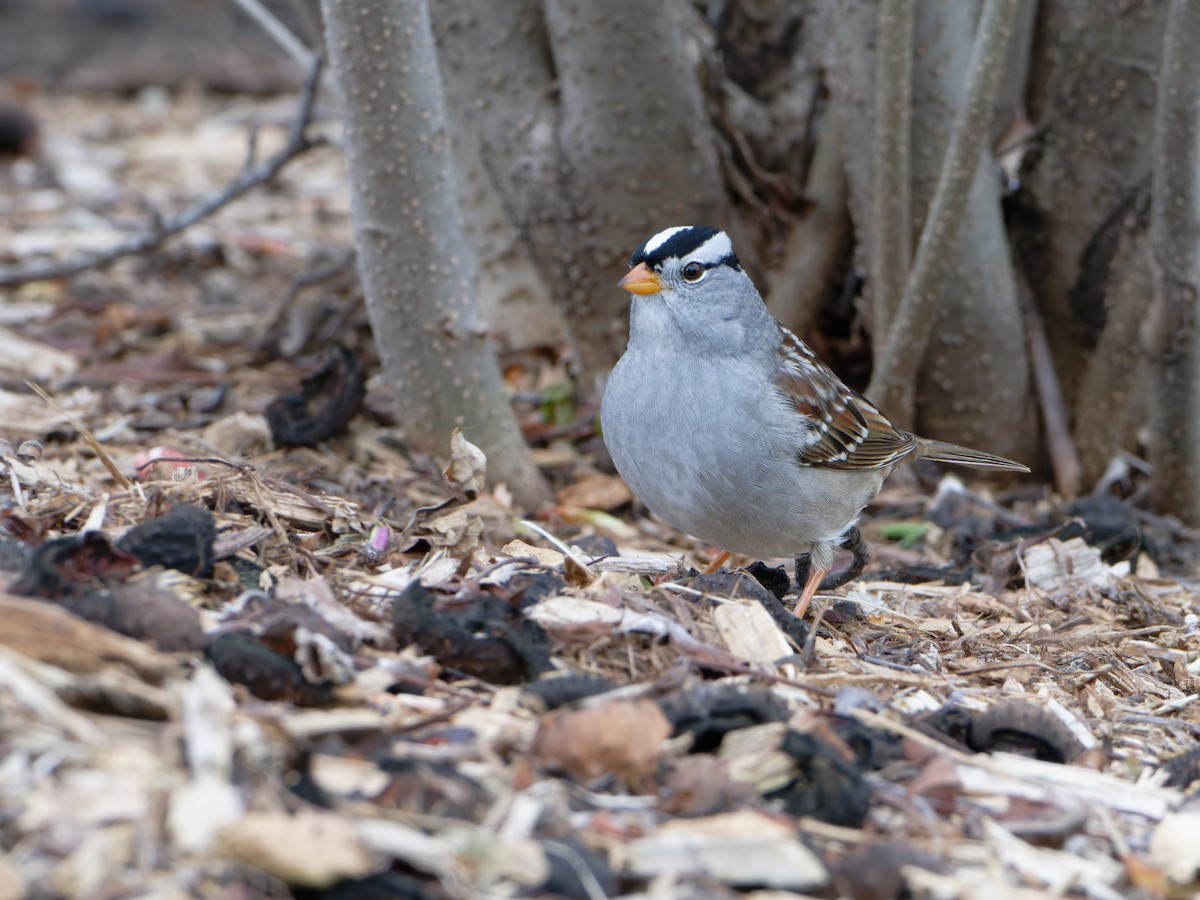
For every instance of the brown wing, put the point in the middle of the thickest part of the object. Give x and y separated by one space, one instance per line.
845 431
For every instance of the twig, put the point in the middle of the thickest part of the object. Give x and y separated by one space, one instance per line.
810 642
86 434
893 383
278 32
890 249
250 176
1064 458
562 547
270 321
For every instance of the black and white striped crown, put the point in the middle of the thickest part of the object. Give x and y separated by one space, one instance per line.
699 243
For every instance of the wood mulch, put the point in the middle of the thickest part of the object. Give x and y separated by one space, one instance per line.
344 673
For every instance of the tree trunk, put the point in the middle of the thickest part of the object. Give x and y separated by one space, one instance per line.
1092 86
816 245
889 243
1175 231
499 85
637 154
416 267
973 386
1115 372
953 364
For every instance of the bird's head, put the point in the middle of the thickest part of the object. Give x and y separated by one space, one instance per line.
689 286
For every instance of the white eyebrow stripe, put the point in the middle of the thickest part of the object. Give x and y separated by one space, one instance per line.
661 238
712 251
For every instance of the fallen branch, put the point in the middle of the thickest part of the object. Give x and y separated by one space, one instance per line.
161 229
270 326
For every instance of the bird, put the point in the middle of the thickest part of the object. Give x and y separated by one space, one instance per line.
728 426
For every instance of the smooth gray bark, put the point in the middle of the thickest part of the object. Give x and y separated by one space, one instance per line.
637 153
957 358
499 85
416 266
1092 85
958 199
816 245
1173 331
889 243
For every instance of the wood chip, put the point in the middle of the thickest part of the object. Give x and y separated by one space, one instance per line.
52 635
308 849
739 848
749 632
1055 564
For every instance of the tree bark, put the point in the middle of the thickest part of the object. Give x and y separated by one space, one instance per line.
416 267
893 384
973 384
637 154
966 362
1175 231
853 26
1111 391
889 244
1092 85
816 244
499 84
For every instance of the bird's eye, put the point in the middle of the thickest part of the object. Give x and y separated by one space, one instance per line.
693 271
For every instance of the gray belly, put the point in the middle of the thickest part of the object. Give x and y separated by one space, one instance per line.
723 466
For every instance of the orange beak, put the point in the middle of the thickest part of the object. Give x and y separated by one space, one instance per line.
641 279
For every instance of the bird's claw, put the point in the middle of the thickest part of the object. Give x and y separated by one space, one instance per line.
855 544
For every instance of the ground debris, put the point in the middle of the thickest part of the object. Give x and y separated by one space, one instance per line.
339 668
328 399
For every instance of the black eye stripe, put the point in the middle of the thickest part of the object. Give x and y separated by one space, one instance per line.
729 260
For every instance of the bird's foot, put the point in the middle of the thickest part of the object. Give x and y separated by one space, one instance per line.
855 544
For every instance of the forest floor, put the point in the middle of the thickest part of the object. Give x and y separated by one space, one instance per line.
234 668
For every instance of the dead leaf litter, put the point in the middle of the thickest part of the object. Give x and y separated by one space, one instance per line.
230 668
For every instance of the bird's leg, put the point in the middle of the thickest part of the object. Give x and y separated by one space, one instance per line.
814 573
820 561
855 544
717 561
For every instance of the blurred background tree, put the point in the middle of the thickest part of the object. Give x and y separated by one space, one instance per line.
816 133
417 270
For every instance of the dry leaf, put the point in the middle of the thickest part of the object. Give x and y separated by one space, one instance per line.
551 559
596 491
456 531
622 737
26 358
467 471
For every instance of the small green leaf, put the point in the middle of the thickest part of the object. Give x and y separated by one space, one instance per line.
557 404
909 534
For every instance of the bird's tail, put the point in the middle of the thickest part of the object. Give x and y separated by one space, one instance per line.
965 456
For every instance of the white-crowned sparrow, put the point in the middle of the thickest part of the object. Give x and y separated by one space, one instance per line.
728 426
